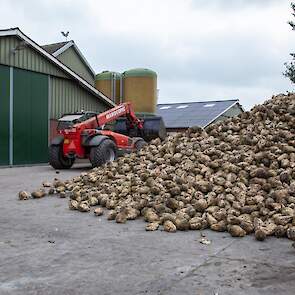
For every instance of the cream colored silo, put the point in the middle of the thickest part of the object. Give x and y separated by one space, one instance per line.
140 88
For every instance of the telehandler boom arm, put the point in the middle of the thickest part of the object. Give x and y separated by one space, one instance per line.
123 109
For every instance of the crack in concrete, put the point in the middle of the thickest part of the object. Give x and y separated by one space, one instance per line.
189 272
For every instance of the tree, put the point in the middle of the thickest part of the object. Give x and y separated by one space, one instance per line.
290 67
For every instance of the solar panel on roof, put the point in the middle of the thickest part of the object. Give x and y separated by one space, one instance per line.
182 107
192 114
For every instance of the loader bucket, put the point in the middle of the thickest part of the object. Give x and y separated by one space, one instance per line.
153 127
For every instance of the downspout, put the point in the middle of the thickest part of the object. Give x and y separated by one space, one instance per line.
115 92
112 86
121 88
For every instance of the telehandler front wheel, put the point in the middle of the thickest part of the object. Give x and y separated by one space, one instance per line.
105 152
139 144
57 159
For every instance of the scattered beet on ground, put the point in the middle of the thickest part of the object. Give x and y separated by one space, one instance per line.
236 176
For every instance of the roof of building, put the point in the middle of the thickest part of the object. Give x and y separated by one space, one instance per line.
58 48
83 83
51 48
188 114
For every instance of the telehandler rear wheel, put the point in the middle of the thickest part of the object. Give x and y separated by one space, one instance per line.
105 152
57 160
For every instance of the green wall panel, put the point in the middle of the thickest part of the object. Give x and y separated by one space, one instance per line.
71 59
30 117
4 115
67 96
26 57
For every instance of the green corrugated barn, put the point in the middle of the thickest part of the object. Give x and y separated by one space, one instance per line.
37 85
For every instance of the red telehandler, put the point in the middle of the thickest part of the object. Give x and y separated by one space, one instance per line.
82 135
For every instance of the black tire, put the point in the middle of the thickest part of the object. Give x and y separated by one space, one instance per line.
105 152
139 144
57 160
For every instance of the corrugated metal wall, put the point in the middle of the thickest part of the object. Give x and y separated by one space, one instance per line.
73 61
30 117
67 96
25 57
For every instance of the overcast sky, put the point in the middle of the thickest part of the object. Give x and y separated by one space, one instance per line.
201 49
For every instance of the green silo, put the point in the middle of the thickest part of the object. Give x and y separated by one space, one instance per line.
109 84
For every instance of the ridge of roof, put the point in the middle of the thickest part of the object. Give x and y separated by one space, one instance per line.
57 43
202 101
17 32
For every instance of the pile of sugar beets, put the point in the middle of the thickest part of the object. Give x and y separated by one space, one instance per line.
237 176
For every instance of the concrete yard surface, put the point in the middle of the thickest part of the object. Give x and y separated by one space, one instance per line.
45 248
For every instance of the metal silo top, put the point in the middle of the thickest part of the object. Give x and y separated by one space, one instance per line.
107 75
140 72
